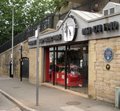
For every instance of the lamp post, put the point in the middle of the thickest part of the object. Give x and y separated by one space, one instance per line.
12 42
37 66
21 61
12 5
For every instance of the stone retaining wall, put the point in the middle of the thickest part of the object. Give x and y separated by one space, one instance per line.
5 59
102 82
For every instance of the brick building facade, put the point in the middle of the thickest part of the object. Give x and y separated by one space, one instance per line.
101 82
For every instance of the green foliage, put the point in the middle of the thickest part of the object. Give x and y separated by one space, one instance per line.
6 18
26 13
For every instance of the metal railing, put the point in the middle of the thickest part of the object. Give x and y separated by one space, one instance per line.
29 32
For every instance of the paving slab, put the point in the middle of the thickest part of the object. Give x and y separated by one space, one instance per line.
7 105
50 99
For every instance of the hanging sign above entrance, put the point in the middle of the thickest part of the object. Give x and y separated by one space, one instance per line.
69 29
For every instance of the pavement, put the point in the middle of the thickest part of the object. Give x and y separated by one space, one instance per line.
50 99
7 105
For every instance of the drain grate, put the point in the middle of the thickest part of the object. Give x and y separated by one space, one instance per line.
73 103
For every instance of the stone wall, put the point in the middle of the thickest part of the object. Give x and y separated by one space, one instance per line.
5 59
91 68
32 70
102 82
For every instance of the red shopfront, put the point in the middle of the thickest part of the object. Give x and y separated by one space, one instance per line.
67 66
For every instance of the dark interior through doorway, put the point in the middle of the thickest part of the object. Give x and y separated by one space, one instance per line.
25 67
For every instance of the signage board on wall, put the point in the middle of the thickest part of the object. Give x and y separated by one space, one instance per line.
76 28
69 29
108 54
100 28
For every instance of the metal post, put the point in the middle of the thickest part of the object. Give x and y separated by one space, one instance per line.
56 59
53 65
65 67
12 39
37 66
56 54
68 59
21 62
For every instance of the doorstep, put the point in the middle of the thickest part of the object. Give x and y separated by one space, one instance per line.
65 90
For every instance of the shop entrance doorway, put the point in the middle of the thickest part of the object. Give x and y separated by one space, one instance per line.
68 67
25 67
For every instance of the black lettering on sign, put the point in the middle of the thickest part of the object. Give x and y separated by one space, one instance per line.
41 41
51 39
115 25
98 29
57 37
87 31
111 26
106 27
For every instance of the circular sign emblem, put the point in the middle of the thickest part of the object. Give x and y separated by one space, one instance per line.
108 54
69 29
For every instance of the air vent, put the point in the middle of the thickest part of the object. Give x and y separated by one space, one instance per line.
112 11
111 8
108 12
105 12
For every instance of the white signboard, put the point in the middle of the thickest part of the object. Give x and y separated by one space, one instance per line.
69 29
